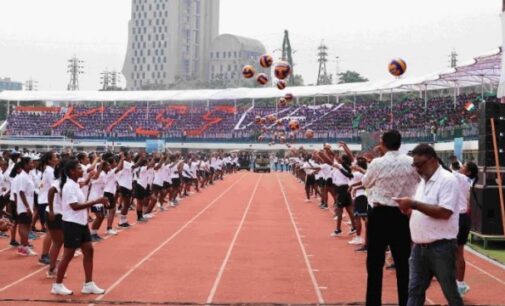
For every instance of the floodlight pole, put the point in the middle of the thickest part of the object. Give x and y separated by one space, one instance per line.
391 113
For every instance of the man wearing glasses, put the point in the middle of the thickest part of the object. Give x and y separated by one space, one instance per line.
434 224
389 176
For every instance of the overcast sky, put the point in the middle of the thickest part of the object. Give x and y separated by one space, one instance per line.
37 37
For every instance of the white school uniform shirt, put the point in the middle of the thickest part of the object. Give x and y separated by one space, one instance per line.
235 161
186 171
143 177
125 179
167 173
174 172
25 184
57 210
158 176
325 171
14 187
71 193
110 182
46 183
36 176
464 185
4 184
97 188
150 176
357 176
306 167
85 175
338 178
440 190
193 167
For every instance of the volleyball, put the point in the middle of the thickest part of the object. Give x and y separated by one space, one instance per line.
266 61
248 71
282 70
309 134
294 125
289 97
262 79
281 84
283 102
397 67
257 119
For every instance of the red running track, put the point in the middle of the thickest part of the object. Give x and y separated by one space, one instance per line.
248 239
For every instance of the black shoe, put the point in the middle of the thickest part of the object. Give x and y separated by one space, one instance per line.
14 244
142 220
124 225
44 260
96 238
363 249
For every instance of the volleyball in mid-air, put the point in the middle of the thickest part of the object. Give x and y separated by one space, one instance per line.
266 61
281 84
282 70
294 125
262 78
289 97
397 67
248 71
309 134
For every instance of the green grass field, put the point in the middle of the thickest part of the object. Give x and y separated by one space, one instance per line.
495 250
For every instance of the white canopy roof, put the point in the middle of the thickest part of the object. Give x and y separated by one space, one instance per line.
485 68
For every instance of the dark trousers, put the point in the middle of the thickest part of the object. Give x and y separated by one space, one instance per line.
387 226
436 259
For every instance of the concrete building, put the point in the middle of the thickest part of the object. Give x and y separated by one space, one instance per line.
8 84
169 41
228 54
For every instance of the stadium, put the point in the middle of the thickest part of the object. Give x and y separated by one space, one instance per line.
218 178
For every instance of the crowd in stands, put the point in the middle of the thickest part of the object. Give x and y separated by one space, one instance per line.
413 117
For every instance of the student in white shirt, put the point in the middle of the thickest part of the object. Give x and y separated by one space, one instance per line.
48 162
125 183
96 191
434 217
141 194
12 172
75 230
24 195
110 189
54 221
156 178
360 200
340 179
467 177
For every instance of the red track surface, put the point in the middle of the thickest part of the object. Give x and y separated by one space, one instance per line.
249 239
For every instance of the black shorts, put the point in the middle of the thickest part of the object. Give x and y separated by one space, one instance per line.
24 218
187 180
321 182
167 185
176 182
125 192
343 197
140 192
111 198
98 209
361 206
56 224
156 188
310 180
74 235
13 208
464 228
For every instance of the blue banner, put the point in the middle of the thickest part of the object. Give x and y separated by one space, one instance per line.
458 148
155 145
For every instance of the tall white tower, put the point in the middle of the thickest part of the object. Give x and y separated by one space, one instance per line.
169 41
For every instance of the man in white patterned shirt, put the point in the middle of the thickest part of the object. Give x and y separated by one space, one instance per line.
390 176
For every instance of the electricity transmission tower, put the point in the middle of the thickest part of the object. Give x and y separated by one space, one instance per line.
74 69
322 58
287 55
453 59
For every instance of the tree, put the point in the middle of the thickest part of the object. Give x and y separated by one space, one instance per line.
351 77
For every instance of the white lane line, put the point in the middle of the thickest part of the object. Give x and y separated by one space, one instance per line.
304 252
484 257
485 272
230 248
143 260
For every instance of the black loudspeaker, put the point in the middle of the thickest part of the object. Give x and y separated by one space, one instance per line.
488 111
485 210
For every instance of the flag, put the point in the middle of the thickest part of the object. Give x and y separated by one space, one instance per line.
469 106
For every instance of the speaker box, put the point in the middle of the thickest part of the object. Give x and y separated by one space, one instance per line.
488 111
485 210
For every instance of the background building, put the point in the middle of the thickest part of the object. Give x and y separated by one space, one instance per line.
8 84
228 54
169 42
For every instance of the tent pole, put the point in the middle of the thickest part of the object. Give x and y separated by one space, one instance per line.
147 110
338 99
354 104
425 98
253 102
297 101
455 96
8 108
482 88
208 104
391 114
